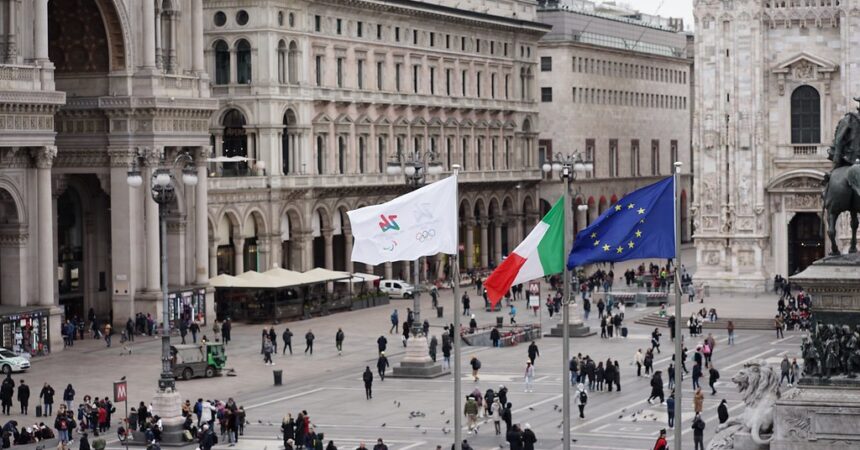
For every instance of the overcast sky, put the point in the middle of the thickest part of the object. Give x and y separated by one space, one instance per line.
669 8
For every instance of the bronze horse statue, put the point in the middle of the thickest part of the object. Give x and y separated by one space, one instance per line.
842 194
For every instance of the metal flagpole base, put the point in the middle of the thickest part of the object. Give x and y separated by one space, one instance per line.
417 362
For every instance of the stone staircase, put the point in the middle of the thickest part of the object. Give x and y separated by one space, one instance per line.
654 320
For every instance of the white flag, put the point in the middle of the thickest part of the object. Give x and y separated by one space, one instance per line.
420 223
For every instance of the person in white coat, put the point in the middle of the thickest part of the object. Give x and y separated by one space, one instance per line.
529 376
207 413
496 412
581 398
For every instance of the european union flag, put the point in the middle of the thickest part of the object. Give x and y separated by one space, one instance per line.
641 225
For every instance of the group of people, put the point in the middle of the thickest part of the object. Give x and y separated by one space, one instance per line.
793 312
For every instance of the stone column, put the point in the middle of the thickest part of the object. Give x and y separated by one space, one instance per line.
239 255
580 218
213 258
329 249
484 238
197 62
153 253
160 50
263 253
148 35
347 237
407 270
389 271
47 278
40 30
470 244
201 215
497 243
11 38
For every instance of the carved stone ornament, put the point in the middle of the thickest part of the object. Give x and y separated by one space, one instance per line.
44 156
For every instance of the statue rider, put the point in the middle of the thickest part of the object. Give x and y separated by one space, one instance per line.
845 150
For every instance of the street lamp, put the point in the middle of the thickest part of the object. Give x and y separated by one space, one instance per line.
567 167
415 168
163 192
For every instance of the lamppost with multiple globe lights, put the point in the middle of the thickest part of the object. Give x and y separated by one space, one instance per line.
163 191
567 167
415 168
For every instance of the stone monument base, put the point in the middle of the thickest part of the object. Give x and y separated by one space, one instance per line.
417 362
575 330
168 406
817 417
833 283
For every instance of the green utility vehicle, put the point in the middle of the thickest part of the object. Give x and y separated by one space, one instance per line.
197 360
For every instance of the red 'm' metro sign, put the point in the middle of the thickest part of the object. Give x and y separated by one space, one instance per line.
120 391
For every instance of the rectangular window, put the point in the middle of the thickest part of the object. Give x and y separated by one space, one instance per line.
415 71
546 94
545 154
380 71
507 85
359 29
492 47
339 26
493 85
447 41
359 74
448 82
397 69
477 46
634 158
613 157
432 38
432 80
546 63
506 49
317 24
673 151
378 31
590 155
340 72
655 157
397 34
478 84
463 43
318 69
414 37
463 83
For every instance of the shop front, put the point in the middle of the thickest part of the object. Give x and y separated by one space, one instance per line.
26 331
187 304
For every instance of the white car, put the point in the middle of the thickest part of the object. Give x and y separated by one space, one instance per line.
12 362
397 288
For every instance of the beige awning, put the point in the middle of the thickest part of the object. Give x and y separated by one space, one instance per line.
290 277
227 281
359 277
261 281
320 275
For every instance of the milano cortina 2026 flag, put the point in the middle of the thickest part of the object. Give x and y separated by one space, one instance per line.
420 223
541 253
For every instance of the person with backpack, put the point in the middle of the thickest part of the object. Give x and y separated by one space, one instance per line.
395 321
381 365
476 366
713 376
287 337
309 342
368 382
470 410
581 399
338 341
698 432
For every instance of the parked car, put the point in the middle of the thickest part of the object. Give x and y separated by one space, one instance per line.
397 288
12 362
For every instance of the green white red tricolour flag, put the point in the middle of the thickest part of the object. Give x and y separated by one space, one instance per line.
541 253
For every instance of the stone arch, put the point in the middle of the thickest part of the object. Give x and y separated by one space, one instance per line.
320 222
259 222
254 242
602 205
101 33
13 237
226 230
341 237
291 245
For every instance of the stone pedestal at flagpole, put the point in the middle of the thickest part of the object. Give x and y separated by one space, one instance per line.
417 362
577 327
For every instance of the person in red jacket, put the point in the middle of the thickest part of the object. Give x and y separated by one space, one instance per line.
661 443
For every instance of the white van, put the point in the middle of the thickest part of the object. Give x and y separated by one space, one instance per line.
397 288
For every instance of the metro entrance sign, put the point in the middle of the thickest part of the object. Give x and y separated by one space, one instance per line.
120 391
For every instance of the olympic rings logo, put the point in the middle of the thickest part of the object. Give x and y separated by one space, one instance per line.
425 235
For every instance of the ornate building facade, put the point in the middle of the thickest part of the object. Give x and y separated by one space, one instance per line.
317 98
88 87
625 107
773 78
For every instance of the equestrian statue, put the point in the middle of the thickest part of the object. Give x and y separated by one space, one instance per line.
842 184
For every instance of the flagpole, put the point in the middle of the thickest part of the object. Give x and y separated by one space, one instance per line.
455 333
565 320
678 347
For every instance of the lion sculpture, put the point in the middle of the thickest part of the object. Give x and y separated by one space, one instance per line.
759 386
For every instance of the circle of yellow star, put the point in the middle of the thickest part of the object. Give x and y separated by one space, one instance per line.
630 244
605 247
620 249
596 243
618 207
641 211
630 206
638 233
593 235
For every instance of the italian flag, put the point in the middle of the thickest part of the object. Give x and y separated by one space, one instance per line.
541 253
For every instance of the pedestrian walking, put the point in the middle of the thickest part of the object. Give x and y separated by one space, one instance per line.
602 327
723 412
446 352
730 328
395 322
194 328
466 304
656 387
661 443
432 347
698 401
514 436
617 376
713 377
267 352
381 365
46 395
381 344
529 376
529 438
638 359
698 432
513 314
778 325
794 372
338 341
533 352
785 370
476 366
670 410
309 342
581 399
23 396
287 337
368 382
7 390
470 410
655 340
496 413
273 336
697 373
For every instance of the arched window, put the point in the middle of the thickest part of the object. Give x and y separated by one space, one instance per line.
222 62
362 153
805 116
282 62
293 63
166 47
235 142
243 62
289 141
320 154
341 155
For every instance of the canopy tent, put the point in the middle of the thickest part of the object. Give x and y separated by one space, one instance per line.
261 281
292 278
320 275
359 277
227 281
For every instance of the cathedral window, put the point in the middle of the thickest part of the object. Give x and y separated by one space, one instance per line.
805 116
222 63
243 62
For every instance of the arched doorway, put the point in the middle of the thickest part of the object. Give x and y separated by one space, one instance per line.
805 241
70 252
235 143
13 234
291 257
